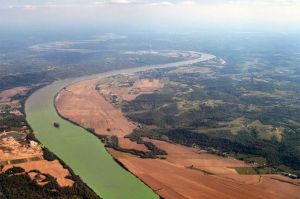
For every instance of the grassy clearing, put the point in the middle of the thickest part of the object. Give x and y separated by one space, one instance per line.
246 170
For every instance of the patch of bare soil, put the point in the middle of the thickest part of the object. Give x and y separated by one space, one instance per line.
174 181
11 149
30 157
197 159
5 96
53 168
81 103
6 99
128 93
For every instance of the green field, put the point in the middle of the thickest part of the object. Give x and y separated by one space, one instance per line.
81 150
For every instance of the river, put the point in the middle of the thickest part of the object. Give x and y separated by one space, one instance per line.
82 151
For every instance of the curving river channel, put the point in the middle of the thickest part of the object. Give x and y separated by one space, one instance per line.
81 150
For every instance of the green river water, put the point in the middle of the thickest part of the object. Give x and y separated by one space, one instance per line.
81 150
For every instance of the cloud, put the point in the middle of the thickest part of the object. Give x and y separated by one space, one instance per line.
64 3
29 7
139 12
175 3
163 3
121 2
188 3
264 2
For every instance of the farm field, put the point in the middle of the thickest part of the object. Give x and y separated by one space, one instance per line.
201 174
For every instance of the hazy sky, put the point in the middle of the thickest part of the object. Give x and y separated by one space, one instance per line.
281 14
61 2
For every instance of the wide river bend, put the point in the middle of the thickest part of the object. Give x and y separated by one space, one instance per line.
82 151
